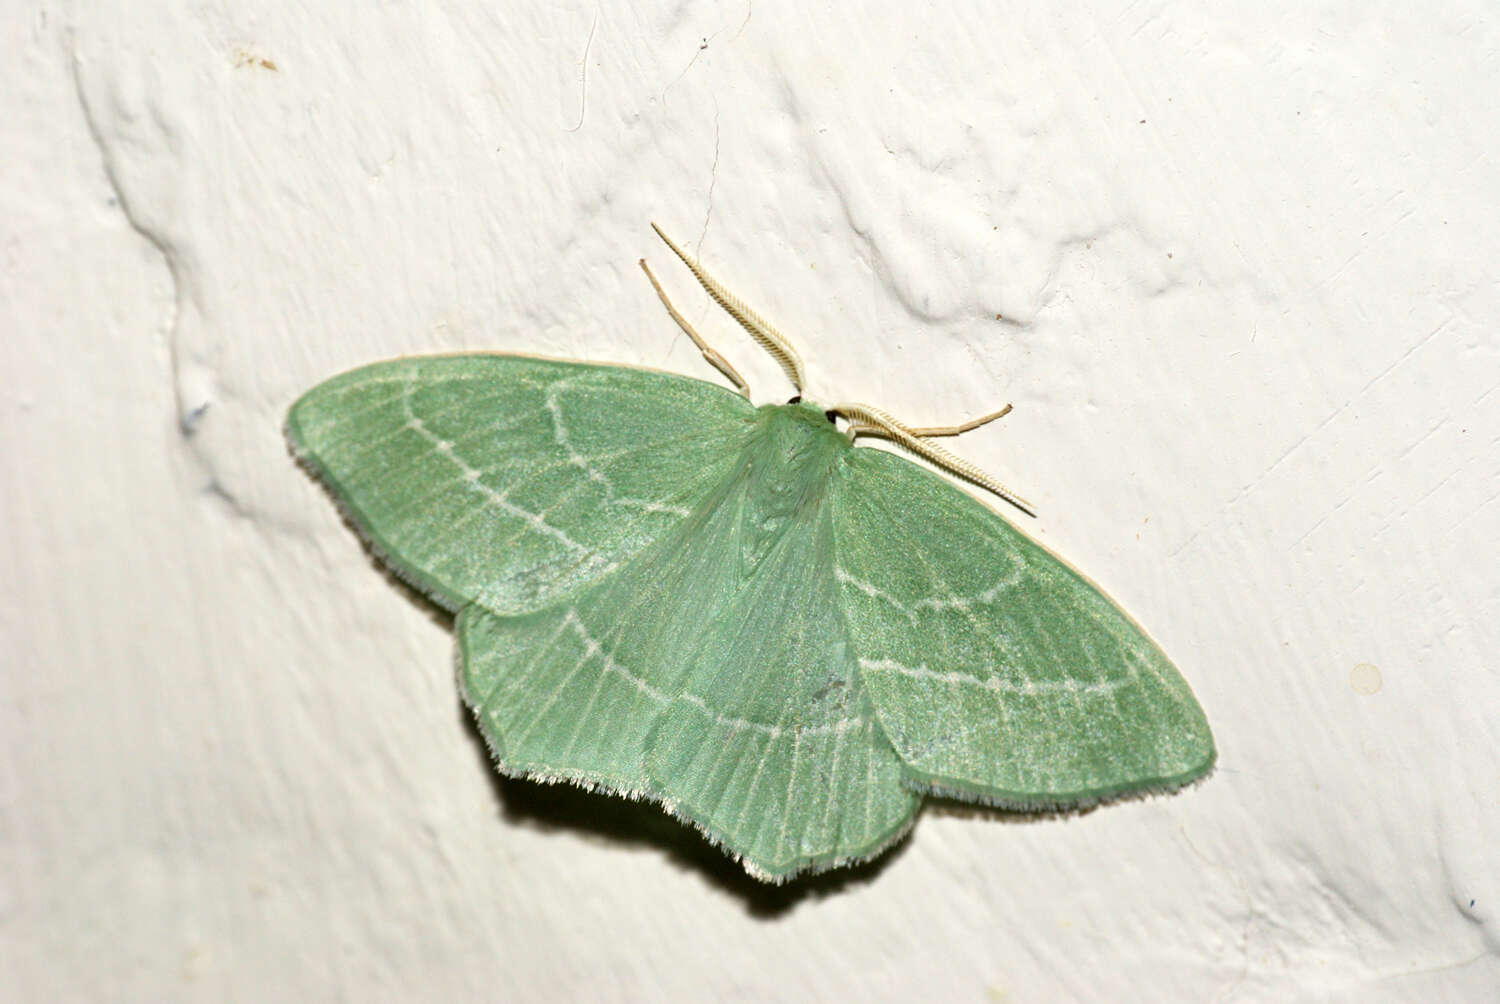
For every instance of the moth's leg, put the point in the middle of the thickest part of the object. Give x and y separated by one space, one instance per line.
864 417
760 329
715 360
931 431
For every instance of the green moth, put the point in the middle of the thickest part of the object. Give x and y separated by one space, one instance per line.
665 592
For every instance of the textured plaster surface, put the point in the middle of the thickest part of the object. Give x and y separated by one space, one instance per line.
1236 271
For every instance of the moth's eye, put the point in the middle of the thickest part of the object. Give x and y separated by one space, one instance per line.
832 417
796 399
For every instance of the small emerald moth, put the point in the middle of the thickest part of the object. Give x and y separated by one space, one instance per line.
665 592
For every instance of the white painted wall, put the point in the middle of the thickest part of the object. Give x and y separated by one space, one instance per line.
1247 268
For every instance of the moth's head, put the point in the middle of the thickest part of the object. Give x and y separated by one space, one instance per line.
792 452
799 426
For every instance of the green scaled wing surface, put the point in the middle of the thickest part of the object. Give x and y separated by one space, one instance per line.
642 567
667 593
509 481
999 673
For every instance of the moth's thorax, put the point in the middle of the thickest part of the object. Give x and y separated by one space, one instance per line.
788 460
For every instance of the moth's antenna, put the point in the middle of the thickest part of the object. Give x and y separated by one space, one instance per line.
864 419
870 420
760 329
